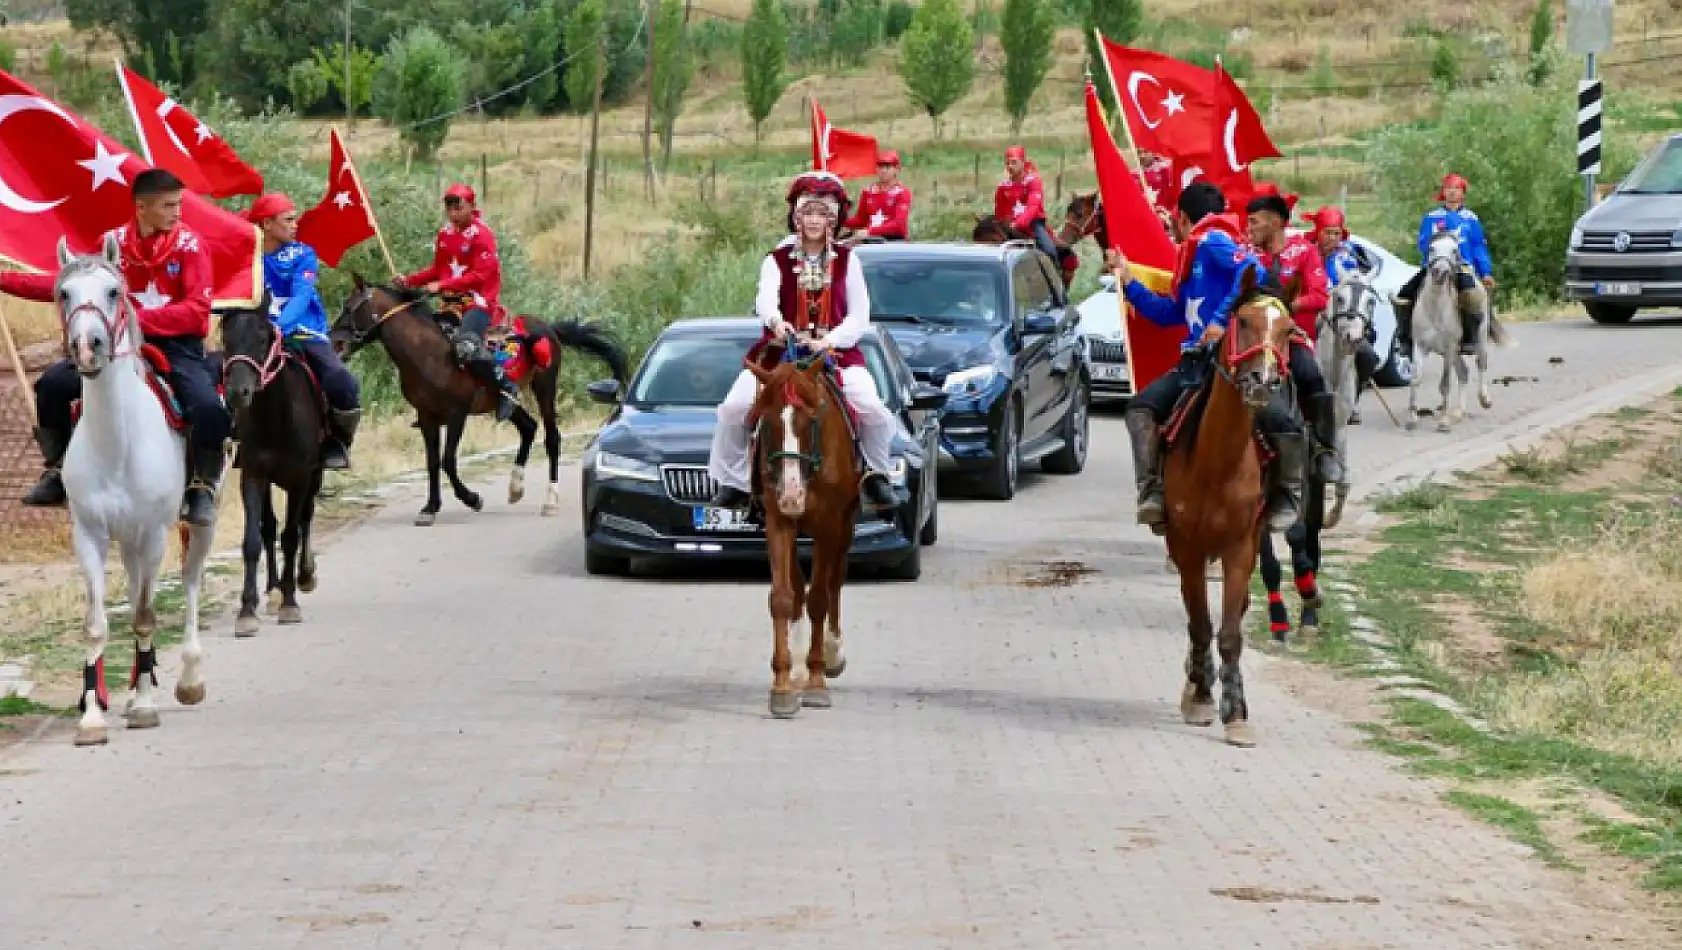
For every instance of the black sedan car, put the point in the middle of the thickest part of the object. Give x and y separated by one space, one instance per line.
991 326
645 476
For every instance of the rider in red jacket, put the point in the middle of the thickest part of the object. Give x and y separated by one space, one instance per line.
884 208
1287 256
1020 200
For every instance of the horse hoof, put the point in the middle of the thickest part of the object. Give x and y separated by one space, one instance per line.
1486 402
143 719
90 735
475 502
550 510
1411 425
246 626
425 519
145 623
1194 712
815 699
835 671
1240 734
1308 630
189 695
1444 427
784 705
291 615
306 583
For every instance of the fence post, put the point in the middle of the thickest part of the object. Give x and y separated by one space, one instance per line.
976 183
484 181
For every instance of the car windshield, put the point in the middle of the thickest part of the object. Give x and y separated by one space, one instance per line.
698 370
953 293
1660 173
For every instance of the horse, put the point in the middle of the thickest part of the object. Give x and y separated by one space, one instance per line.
280 419
1437 330
807 480
991 230
124 474
1213 493
444 394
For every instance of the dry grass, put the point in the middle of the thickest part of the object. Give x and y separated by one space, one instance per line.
31 323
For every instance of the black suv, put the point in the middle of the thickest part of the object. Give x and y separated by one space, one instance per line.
992 327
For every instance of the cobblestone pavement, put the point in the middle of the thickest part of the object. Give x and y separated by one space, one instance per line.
472 744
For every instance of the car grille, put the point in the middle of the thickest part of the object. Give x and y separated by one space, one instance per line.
1107 351
1602 272
1640 242
689 484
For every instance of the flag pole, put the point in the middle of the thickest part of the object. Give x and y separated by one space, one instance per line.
367 203
1126 127
12 356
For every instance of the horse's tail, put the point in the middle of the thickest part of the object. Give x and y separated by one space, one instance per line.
596 340
1498 334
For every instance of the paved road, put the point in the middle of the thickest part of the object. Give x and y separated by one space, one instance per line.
472 744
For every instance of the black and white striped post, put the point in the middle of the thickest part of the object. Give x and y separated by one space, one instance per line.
1589 92
1588 30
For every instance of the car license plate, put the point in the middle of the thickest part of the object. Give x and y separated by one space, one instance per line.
722 519
1625 289
1110 372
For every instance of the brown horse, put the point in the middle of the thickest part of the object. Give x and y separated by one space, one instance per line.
1082 218
444 395
808 483
1213 493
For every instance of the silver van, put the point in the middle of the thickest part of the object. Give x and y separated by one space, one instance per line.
1626 252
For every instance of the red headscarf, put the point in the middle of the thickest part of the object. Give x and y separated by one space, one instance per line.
462 191
1327 217
268 206
1452 180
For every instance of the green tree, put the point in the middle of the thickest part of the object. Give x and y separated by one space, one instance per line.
541 51
1541 41
1121 21
165 36
331 65
935 58
764 53
252 44
585 38
421 80
1026 37
673 69
306 85
1445 64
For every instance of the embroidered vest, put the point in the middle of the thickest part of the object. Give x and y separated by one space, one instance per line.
807 301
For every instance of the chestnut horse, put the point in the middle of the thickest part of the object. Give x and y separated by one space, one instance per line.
1214 495
807 480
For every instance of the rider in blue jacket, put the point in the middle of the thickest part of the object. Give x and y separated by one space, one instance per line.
1454 217
1207 283
289 272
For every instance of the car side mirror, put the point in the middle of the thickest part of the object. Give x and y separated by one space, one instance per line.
1040 322
604 391
1107 281
924 396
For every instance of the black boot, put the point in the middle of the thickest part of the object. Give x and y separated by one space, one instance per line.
1471 315
484 369
1147 478
341 425
49 491
1285 504
1404 325
1320 411
729 496
198 507
877 492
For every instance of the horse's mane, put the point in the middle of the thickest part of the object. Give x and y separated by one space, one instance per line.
83 264
404 293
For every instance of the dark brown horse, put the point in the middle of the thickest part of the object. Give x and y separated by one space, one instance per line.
444 394
280 421
808 483
1213 492
1082 218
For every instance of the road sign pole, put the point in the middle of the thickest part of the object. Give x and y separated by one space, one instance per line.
1588 130
1588 31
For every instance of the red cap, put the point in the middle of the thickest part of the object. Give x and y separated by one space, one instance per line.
1016 151
1327 217
1452 180
464 192
889 157
267 206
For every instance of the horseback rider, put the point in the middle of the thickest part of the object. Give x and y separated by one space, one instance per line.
1344 257
1454 217
1287 255
289 271
466 270
808 286
1020 200
167 268
1158 173
1206 284
884 209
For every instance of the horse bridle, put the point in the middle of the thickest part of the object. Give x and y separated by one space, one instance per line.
360 336
1227 363
118 326
813 460
1366 301
273 362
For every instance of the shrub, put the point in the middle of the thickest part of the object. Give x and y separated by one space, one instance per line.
936 61
421 78
764 54
897 19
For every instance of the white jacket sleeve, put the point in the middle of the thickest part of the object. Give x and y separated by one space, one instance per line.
852 327
768 303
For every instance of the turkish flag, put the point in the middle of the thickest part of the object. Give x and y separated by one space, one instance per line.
1238 187
1133 227
62 177
173 139
1169 105
1243 140
840 152
344 218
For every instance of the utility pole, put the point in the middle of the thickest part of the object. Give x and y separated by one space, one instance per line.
590 170
648 108
350 111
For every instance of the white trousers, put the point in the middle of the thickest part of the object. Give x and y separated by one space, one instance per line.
729 464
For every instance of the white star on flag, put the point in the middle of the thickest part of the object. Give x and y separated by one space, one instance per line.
877 219
104 165
151 298
203 132
342 200
457 268
1172 103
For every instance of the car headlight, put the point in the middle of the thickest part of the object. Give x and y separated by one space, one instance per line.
968 382
1577 238
610 465
896 473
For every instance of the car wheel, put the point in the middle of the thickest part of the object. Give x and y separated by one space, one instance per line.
1077 425
908 569
1398 367
606 564
1610 314
999 484
930 532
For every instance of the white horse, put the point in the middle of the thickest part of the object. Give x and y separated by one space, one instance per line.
1437 330
124 473
1342 328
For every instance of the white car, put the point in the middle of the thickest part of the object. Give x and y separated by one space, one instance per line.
1101 327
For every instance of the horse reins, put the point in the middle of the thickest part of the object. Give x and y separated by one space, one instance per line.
360 336
1234 357
272 364
118 329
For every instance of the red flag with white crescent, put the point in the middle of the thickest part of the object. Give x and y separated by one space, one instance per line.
841 152
62 177
344 218
172 138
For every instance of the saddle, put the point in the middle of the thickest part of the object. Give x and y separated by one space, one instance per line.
1188 411
831 381
516 351
155 370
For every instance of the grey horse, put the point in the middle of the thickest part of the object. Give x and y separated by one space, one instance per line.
1436 330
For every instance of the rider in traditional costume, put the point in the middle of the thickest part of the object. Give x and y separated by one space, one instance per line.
1344 257
167 268
809 286
466 270
1207 282
289 271
884 209
1020 200
1454 217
